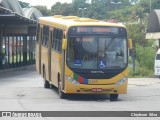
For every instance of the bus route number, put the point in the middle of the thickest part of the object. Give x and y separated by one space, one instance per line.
93 81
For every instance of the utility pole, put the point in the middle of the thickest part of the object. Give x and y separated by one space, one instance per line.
133 58
150 5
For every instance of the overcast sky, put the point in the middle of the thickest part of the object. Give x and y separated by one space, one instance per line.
47 3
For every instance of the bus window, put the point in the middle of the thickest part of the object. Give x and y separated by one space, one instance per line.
54 39
57 39
56 48
51 37
38 33
60 40
45 36
56 31
158 57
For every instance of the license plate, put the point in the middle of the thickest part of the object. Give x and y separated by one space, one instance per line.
96 90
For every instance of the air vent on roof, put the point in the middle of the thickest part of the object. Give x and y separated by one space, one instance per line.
70 17
57 16
86 20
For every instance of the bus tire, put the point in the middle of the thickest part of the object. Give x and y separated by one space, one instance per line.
62 95
52 86
46 83
113 97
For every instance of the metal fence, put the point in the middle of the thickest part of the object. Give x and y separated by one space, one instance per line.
17 51
17 39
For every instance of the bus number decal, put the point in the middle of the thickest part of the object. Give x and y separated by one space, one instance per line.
92 81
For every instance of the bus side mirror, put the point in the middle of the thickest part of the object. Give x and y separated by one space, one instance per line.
64 44
130 46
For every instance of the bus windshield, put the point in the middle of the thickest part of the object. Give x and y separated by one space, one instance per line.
97 52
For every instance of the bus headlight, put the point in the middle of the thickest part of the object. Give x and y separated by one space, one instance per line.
123 80
73 81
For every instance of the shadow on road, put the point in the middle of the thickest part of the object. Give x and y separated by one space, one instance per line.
19 73
82 97
87 97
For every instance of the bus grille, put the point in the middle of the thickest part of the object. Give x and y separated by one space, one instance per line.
98 76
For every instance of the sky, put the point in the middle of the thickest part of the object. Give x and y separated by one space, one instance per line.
47 3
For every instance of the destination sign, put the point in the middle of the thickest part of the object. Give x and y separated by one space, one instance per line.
96 30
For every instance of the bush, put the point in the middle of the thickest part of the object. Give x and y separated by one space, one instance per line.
145 56
144 62
140 72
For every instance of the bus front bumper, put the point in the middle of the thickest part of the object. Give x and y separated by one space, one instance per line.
95 89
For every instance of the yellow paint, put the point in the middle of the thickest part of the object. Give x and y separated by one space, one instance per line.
87 89
107 85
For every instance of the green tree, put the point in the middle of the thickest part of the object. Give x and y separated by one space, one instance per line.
134 1
136 32
98 10
67 9
76 4
43 10
155 4
145 56
56 8
24 4
62 9
145 4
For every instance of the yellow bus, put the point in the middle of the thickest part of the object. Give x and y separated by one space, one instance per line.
82 55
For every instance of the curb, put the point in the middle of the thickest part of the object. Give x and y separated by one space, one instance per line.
19 68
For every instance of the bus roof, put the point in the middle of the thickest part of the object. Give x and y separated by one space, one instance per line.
65 22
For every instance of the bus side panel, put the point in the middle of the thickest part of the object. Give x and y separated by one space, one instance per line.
55 67
49 55
44 62
46 56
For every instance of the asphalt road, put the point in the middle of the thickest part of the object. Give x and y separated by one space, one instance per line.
23 91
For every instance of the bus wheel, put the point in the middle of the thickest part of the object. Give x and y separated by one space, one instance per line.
52 86
46 83
61 93
113 97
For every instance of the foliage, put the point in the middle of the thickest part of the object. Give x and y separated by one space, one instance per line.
144 61
61 9
145 4
140 72
125 11
145 56
133 13
97 10
156 4
137 33
43 10
77 4
24 4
